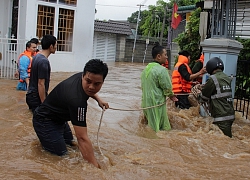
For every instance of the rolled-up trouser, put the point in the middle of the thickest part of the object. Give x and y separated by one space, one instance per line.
52 135
182 102
225 127
33 100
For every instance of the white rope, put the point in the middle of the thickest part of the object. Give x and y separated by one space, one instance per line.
121 110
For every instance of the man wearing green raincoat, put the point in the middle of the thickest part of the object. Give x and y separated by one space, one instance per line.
156 86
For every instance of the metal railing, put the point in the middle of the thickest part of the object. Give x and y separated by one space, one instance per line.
224 14
242 88
10 49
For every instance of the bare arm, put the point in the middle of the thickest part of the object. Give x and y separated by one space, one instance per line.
41 89
85 145
100 101
198 74
27 80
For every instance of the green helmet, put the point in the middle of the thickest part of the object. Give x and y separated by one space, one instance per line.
214 63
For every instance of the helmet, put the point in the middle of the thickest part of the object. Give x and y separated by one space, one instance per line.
214 63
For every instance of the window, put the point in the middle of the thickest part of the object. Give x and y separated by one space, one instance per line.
55 20
68 2
45 20
14 18
65 29
53 1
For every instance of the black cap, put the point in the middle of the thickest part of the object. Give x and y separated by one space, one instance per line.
184 53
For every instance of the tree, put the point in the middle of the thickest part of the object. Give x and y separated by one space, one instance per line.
245 52
152 19
153 22
134 16
190 39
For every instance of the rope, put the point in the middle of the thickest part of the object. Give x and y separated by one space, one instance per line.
139 109
98 132
121 110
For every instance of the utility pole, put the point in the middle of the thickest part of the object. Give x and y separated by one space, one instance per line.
163 24
137 24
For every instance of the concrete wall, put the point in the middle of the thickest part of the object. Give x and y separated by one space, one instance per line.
120 47
139 51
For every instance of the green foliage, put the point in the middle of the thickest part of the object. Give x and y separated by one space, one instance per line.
151 20
243 73
245 52
155 19
134 16
190 39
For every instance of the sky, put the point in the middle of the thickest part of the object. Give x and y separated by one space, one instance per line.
119 9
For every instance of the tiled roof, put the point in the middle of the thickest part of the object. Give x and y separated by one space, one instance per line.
185 8
115 27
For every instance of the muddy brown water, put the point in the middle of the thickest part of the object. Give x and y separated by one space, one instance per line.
193 149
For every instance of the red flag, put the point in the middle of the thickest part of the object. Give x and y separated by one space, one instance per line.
176 18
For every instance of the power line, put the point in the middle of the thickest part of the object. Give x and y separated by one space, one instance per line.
143 2
118 5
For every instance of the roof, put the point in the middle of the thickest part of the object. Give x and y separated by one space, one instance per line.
186 8
115 27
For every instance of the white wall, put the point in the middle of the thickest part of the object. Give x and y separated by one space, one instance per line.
82 40
82 36
27 19
5 17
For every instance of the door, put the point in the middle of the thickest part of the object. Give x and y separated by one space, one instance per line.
104 46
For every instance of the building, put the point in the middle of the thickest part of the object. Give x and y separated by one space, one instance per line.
71 21
110 40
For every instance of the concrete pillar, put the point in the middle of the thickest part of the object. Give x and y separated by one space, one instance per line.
227 50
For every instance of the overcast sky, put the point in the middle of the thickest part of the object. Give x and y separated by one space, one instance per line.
119 9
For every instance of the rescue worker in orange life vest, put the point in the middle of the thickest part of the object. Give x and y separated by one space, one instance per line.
32 40
24 65
182 80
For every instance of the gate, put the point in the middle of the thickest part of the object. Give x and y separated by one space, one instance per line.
10 49
242 88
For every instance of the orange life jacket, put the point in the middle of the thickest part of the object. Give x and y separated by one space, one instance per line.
165 65
201 59
37 52
29 55
178 82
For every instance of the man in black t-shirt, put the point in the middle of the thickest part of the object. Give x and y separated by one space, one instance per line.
68 102
40 73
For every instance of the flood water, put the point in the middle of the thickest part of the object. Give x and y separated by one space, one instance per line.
193 149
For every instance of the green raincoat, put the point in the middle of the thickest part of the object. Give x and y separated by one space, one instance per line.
156 86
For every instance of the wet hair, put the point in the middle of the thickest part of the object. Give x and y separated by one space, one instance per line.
34 40
47 41
28 44
184 53
96 66
157 49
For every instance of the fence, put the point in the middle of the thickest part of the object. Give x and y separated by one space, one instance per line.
242 88
10 49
